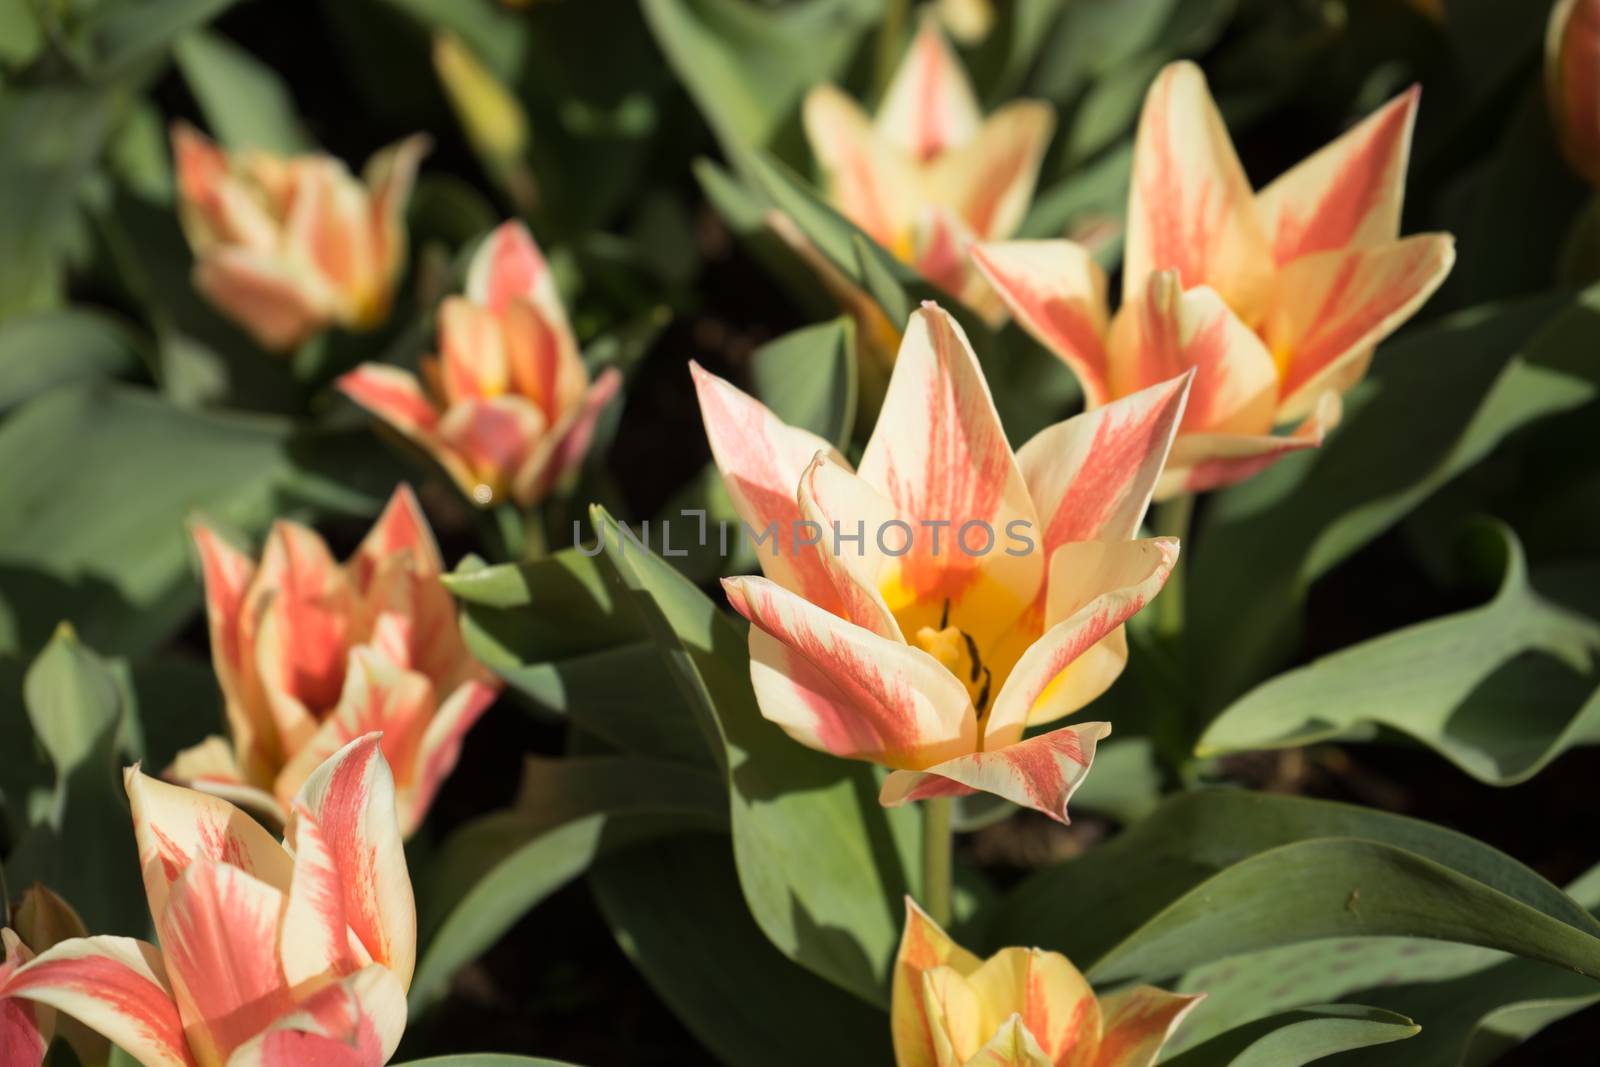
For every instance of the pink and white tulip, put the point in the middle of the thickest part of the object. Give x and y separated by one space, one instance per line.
509 408
288 246
270 955
1276 299
930 174
930 662
311 654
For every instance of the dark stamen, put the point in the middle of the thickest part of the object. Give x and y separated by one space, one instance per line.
983 694
972 654
944 616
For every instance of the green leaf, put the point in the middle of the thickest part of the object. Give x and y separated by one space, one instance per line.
808 379
73 701
1299 1037
492 871
675 908
1497 690
127 35
823 866
245 103
1219 873
48 348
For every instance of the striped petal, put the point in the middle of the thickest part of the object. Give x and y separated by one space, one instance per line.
924 948
212 767
564 448
219 942
174 827
1095 587
492 439
1191 208
355 1023
117 987
1572 83
839 688
507 267
851 515
440 749
1205 461
761 459
472 351
402 528
929 108
990 180
25 1028
227 574
1346 195
351 796
1168 331
1011 1046
869 181
314 940
940 456
1040 773
1057 292
1332 308
1137 1022
1049 996
389 177
396 397
277 304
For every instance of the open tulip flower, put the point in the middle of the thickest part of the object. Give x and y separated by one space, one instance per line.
512 407
1018 1008
270 955
287 246
311 654
921 647
930 174
1276 298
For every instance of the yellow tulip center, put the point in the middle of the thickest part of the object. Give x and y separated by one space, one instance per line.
955 649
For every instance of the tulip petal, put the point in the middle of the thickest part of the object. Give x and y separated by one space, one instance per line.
395 396
1335 306
351 796
1011 1046
1095 587
1137 1022
953 1015
117 987
1191 208
389 177
175 827
472 351
929 107
872 184
314 941
850 512
507 267
761 459
1053 1000
924 948
25 1028
940 456
990 180
219 941
212 767
402 528
834 686
227 574
441 748
492 439
1040 773
1347 194
1208 461
564 448
278 305
355 1023
1057 292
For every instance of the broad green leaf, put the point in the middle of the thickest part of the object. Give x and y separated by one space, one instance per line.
808 379
245 103
1299 1037
1498 690
675 908
493 870
99 482
73 701
1435 404
823 866
47 348
1218 873
124 36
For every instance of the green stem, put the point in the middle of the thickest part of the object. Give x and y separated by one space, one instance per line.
535 539
512 530
937 839
890 33
1171 519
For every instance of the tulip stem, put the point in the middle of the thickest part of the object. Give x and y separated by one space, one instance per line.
937 841
1171 519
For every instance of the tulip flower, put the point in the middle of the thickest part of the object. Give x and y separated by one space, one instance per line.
311 654
1276 299
930 648
1018 1008
25 1028
512 407
1572 82
287 246
269 955
929 174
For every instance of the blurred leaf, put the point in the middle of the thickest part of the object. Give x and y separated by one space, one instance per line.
134 32
1499 690
808 379
1219 873
489 873
21 33
245 103
1299 1037
823 866
73 701
48 348
675 908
